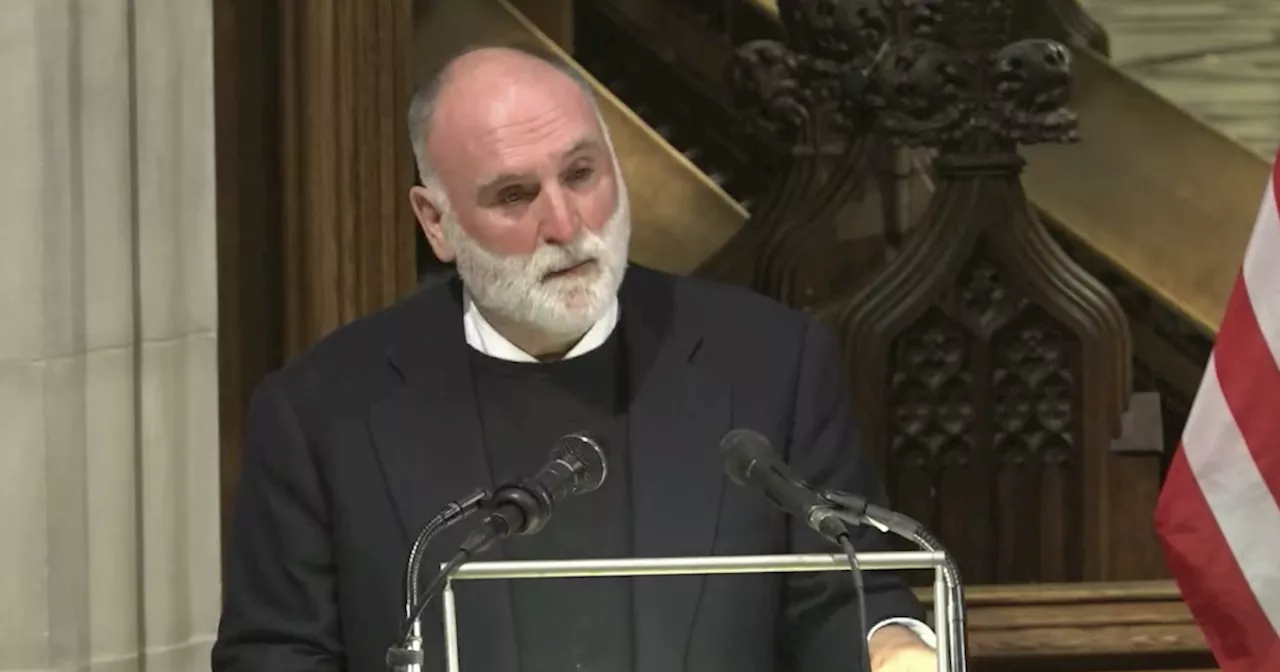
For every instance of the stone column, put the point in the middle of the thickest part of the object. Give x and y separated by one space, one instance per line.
108 377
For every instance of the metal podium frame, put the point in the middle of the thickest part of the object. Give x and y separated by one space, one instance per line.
950 639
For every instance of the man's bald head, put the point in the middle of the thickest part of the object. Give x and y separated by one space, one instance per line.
476 75
521 188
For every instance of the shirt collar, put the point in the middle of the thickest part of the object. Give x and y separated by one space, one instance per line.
484 337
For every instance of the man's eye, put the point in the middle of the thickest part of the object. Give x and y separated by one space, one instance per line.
579 175
512 196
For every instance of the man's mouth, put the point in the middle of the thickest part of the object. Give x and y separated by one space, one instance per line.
570 271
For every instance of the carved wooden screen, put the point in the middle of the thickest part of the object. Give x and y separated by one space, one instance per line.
990 371
805 97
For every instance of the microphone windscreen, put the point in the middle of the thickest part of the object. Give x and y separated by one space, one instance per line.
587 458
741 450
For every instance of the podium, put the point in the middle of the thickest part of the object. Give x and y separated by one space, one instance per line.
948 609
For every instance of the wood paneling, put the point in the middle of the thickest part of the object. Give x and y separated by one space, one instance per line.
313 168
246 85
553 17
1089 627
347 226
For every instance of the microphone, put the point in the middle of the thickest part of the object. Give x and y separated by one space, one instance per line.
750 461
576 467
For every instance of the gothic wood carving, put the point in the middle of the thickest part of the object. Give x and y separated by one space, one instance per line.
804 96
989 369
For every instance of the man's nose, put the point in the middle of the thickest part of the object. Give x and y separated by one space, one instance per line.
559 220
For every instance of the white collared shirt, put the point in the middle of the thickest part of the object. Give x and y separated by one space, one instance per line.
482 336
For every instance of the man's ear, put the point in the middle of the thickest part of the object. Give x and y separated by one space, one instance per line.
429 206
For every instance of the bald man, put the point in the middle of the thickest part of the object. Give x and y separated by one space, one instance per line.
545 330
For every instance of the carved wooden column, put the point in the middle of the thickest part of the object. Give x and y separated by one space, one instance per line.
247 157
313 169
989 370
347 227
796 96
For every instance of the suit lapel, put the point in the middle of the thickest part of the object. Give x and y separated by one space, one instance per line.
677 417
430 444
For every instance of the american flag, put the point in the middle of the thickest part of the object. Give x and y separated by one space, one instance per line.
1218 516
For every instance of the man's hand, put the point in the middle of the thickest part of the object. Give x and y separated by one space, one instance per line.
895 648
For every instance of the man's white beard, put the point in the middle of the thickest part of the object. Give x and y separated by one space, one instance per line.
514 286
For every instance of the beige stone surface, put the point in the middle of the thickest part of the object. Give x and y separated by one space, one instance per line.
108 322
1218 59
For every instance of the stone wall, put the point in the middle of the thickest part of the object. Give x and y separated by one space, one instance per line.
109 551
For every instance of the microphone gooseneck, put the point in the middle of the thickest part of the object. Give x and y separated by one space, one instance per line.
857 510
454 513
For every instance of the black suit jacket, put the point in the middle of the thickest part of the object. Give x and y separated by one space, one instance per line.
353 446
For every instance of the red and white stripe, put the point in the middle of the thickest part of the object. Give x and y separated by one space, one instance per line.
1218 516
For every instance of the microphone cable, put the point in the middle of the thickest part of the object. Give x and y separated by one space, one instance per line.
864 648
423 599
479 540
454 513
